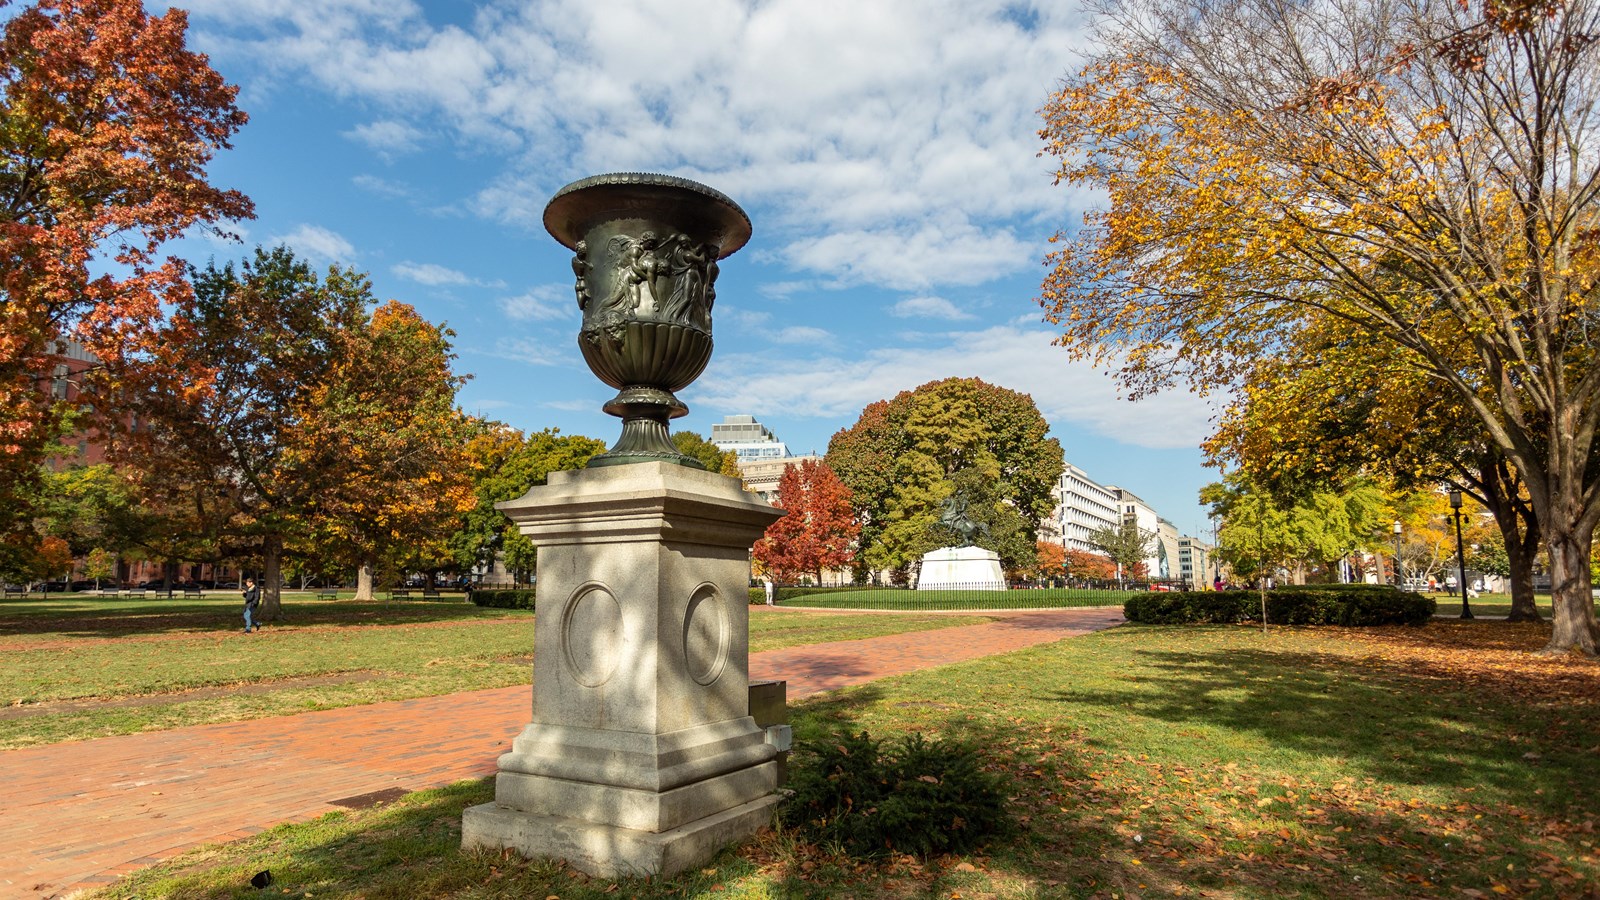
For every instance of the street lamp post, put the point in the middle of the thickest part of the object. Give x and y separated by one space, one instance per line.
1461 558
1399 581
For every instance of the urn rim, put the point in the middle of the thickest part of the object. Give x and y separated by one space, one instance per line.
568 205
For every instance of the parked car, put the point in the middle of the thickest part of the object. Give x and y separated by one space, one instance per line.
82 584
53 587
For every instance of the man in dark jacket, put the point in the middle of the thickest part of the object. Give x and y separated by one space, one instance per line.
252 598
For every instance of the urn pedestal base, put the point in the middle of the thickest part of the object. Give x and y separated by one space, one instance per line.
641 757
608 852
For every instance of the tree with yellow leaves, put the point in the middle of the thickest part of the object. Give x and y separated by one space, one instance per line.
382 440
1425 171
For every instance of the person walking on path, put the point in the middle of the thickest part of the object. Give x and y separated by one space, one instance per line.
769 592
252 598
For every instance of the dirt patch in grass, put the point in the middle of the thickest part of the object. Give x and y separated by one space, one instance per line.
53 707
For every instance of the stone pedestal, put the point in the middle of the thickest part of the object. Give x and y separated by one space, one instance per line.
961 569
641 757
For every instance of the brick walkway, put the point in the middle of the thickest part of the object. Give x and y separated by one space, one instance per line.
83 814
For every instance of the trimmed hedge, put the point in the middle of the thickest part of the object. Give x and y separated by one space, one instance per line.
516 599
1358 605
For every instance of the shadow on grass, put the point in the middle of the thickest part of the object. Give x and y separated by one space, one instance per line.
1094 817
82 619
1406 721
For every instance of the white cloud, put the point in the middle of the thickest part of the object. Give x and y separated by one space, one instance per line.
1071 395
435 275
930 308
389 137
801 334
317 244
382 187
532 351
746 318
891 143
542 303
430 274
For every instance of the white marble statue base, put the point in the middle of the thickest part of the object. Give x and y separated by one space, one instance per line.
961 569
641 757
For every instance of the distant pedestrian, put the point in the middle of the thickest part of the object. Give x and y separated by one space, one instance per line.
770 593
252 599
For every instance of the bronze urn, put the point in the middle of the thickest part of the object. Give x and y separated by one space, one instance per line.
645 256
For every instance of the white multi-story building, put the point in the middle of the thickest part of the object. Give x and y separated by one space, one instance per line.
747 438
1083 506
1161 564
1194 562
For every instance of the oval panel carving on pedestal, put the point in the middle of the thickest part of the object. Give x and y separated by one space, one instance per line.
705 635
591 635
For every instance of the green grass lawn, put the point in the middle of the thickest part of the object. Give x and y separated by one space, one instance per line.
902 599
85 668
1442 761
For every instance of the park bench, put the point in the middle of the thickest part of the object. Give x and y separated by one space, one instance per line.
133 593
16 591
328 594
400 594
163 593
193 593
430 593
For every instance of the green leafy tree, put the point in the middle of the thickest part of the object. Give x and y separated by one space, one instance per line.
1127 546
1261 533
692 444
255 343
900 457
503 464
100 564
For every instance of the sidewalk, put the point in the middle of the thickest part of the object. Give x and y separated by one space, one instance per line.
81 815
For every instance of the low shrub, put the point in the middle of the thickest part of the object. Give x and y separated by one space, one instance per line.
913 795
1351 605
511 599
1185 607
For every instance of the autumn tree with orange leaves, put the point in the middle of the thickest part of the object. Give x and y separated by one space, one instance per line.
819 528
1091 566
1425 171
107 122
382 441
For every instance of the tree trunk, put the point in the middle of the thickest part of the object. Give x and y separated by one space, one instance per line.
364 582
271 573
1520 551
1571 602
1519 528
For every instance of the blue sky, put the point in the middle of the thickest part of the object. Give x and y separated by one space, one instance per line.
885 151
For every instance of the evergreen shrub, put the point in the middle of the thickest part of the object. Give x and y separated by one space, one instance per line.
1353 605
513 599
911 795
